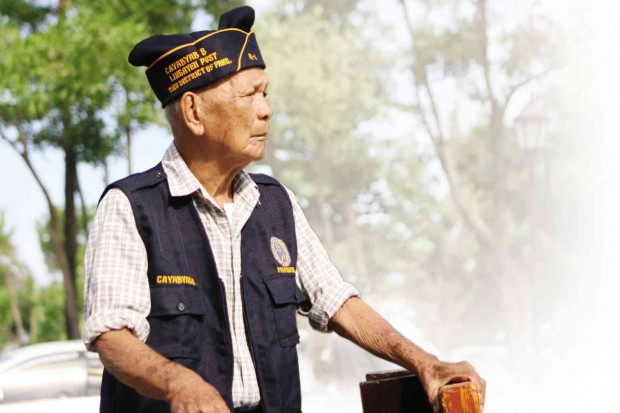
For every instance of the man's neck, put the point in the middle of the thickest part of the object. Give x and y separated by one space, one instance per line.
215 179
215 172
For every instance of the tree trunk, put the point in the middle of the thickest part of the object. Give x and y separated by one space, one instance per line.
106 173
84 208
128 150
70 243
490 231
57 242
17 318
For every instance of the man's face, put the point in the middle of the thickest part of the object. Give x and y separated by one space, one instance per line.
236 115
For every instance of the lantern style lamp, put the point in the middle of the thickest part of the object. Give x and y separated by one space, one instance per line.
532 126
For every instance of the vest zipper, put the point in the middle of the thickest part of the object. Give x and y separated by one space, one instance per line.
248 334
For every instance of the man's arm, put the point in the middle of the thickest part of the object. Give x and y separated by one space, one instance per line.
117 302
152 375
358 322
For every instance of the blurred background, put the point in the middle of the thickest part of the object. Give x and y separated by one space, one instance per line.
458 159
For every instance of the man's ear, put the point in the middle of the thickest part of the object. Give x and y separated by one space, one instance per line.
192 112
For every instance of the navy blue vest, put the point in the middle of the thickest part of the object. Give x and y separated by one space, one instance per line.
188 318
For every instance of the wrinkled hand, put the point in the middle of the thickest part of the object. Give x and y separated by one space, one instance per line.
437 373
197 396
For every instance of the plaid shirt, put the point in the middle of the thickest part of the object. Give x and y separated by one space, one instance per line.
115 267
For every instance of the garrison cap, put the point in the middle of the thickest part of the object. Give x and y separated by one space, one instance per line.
177 63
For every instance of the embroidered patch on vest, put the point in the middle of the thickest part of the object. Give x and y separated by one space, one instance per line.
280 252
175 279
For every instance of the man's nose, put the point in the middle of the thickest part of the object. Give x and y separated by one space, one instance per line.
264 110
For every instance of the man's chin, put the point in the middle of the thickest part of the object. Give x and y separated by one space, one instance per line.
259 150
260 156
254 158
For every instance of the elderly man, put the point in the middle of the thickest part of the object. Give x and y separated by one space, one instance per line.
195 269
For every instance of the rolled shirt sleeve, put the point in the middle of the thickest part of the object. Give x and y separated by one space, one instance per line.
116 290
317 276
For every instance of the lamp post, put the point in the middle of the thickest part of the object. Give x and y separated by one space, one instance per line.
532 130
532 126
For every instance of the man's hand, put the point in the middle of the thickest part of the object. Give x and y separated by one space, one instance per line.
153 375
434 373
196 396
359 323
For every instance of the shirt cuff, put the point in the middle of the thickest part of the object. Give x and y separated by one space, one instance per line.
328 304
100 323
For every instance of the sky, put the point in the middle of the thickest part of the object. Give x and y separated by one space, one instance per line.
24 205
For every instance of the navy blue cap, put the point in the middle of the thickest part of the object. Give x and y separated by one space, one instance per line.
177 63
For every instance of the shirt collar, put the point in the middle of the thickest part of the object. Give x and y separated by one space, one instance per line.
182 181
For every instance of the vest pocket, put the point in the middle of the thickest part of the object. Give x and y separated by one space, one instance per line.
285 296
176 320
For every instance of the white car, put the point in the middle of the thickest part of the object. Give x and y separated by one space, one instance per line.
49 370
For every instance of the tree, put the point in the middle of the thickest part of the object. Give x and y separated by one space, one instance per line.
45 317
13 274
61 89
484 64
135 106
326 76
58 103
325 84
445 224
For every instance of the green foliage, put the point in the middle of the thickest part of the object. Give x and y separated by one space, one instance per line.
383 208
328 79
67 74
322 94
47 247
337 73
469 64
15 283
41 309
24 12
67 86
335 12
47 322
59 82
6 321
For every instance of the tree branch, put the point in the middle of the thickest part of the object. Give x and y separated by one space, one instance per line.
407 19
423 115
523 83
484 53
421 109
25 155
441 137
128 148
59 251
467 212
83 206
471 218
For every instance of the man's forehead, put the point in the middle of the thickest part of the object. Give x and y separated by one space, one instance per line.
249 77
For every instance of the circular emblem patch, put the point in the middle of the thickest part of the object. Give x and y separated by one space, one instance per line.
280 252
